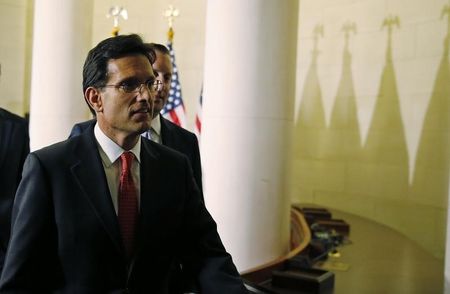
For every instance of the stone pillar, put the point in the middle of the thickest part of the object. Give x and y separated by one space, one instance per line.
248 109
61 40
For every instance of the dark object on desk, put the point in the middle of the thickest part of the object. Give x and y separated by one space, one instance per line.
312 214
339 225
309 280
294 276
298 263
318 213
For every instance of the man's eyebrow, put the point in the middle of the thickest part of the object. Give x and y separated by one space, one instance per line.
135 79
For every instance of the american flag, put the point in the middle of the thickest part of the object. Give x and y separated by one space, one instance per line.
198 116
174 108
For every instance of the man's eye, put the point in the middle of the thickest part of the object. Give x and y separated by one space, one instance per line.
129 86
149 83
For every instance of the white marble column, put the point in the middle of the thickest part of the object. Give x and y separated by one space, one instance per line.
61 40
248 107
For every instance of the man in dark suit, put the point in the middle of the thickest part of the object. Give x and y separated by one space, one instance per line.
14 148
162 130
108 211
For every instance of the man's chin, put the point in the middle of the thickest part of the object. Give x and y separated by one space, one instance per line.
142 127
158 105
156 110
141 116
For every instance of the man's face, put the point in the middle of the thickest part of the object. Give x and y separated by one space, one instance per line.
162 67
123 114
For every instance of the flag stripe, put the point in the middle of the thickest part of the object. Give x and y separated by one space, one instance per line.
174 108
198 116
198 124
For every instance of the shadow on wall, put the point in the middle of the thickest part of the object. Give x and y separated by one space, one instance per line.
332 168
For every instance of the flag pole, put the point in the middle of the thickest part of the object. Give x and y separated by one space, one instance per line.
174 108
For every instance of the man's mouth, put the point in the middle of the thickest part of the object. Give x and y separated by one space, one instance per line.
139 111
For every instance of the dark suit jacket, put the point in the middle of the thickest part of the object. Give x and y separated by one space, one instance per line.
185 142
182 141
65 235
172 136
14 147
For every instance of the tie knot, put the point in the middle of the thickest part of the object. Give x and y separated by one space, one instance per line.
126 159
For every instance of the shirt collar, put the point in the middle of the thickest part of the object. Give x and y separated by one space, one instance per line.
111 149
156 125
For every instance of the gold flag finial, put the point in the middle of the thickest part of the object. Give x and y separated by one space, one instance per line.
117 12
170 13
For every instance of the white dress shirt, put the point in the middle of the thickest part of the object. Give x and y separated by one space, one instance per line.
110 154
154 133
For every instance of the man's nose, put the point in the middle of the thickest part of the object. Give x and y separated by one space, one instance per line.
163 85
146 93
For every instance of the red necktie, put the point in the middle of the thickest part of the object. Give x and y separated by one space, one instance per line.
128 204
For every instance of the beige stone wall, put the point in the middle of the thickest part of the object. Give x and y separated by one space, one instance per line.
372 114
15 28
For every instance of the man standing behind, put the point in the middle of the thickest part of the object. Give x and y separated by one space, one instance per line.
162 130
107 211
14 148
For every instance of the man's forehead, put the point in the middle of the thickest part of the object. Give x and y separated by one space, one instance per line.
163 62
130 65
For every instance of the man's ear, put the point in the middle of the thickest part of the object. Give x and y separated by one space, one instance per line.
94 98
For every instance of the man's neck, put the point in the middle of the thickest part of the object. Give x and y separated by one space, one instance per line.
125 140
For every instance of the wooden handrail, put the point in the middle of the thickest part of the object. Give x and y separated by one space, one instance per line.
264 271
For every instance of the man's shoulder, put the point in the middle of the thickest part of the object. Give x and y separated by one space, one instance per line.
60 151
177 130
162 151
85 124
9 116
81 126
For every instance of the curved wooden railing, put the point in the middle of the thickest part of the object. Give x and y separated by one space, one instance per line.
300 238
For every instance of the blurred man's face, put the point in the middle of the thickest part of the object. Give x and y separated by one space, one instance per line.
162 68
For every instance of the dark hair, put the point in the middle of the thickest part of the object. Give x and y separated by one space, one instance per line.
95 69
158 47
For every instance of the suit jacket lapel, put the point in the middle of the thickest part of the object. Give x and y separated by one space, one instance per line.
89 173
